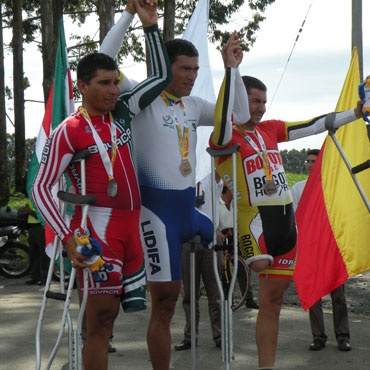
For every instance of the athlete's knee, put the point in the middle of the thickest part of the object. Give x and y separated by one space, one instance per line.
270 304
102 316
164 299
165 308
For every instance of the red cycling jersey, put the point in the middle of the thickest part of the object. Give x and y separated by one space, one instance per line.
73 135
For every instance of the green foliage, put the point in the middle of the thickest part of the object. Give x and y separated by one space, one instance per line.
294 160
294 177
17 200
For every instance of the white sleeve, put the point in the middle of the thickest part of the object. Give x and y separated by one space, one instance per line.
296 191
112 44
317 124
241 112
113 40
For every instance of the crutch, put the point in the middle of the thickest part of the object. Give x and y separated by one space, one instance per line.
195 240
226 302
329 121
74 336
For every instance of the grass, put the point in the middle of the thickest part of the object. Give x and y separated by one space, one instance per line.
295 177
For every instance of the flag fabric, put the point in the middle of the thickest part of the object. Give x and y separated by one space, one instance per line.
60 105
332 219
197 32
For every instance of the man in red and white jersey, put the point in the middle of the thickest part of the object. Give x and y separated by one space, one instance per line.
265 210
103 126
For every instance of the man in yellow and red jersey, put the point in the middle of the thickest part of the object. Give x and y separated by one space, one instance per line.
265 211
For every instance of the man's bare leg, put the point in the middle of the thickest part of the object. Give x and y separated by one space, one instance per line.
164 296
270 294
101 311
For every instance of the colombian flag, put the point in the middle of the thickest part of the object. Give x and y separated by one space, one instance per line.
60 105
332 219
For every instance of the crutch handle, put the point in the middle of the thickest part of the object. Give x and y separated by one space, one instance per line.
361 167
76 198
81 155
57 296
226 151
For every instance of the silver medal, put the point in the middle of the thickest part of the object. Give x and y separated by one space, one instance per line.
112 188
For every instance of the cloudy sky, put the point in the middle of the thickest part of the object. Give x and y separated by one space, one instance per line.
310 85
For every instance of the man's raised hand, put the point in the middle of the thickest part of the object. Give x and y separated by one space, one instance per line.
147 11
232 53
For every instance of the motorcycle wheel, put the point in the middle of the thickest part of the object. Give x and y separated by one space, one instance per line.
18 255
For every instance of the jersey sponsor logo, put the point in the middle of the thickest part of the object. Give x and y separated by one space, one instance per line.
150 242
75 175
246 246
255 164
104 291
168 121
122 140
88 129
279 178
285 261
229 182
45 151
193 124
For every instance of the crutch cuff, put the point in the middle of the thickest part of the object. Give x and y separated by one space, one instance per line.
260 257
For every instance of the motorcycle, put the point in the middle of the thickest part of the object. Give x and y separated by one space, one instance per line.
15 258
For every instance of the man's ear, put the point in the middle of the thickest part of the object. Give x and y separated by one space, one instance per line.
82 86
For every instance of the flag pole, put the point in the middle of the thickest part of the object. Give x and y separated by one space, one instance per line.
357 32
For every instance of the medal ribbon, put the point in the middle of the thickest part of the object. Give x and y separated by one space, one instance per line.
267 169
107 162
183 135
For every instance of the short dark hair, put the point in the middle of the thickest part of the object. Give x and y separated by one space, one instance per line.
253 83
177 47
87 66
313 152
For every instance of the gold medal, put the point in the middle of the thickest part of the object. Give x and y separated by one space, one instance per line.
185 168
270 187
112 188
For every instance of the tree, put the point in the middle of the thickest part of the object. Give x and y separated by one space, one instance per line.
106 17
294 160
4 184
18 94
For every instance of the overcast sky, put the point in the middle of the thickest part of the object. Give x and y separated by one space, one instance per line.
313 79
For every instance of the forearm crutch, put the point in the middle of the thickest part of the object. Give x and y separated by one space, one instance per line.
226 302
329 121
194 241
74 336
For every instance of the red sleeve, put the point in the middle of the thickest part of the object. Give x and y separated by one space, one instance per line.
55 158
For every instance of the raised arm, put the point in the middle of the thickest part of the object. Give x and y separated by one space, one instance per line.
114 38
225 105
240 107
144 93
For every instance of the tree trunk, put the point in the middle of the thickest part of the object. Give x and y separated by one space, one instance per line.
49 37
47 47
169 20
18 95
106 17
4 183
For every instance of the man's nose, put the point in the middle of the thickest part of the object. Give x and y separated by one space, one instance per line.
113 89
192 75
